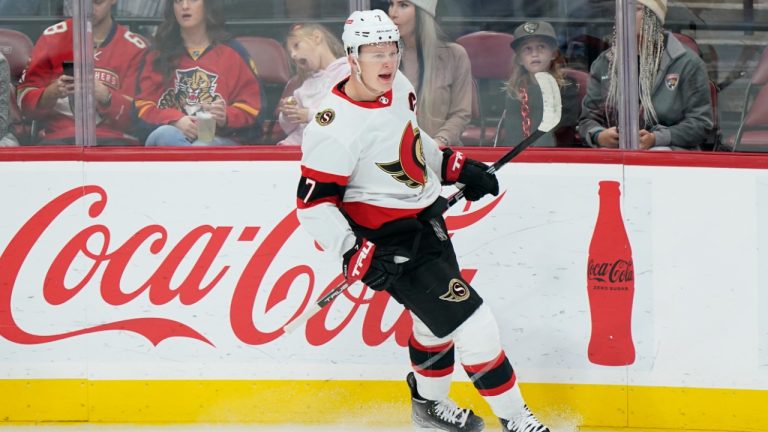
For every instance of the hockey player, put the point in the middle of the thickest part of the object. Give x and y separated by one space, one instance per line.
44 92
370 195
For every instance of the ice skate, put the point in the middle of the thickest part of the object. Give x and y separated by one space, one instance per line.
525 422
441 415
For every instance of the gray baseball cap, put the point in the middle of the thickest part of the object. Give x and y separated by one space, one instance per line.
533 28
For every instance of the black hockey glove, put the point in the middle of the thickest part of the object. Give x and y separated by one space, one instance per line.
473 174
377 267
477 181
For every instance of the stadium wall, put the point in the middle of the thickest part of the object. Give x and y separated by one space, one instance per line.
151 286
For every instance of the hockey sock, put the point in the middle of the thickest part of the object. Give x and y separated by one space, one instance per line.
432 359
479 347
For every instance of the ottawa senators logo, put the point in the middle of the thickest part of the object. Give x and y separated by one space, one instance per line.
458 291
325 117
193 87
411 168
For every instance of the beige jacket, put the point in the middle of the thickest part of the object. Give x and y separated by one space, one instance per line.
452 96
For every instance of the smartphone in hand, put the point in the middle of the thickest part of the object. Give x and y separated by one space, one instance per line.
69 68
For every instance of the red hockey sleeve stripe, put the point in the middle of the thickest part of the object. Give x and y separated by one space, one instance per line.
453 162
487 365
324 177
432 373
494 377
373 217
500 389
434 348
301 205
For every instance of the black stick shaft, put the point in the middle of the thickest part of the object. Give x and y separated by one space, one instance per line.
524 144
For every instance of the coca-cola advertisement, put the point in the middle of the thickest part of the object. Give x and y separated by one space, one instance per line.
127 284
544 281
610 283
112 270
128 270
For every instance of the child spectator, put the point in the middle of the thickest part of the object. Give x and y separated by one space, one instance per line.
535 46
321 63
676 108
45 90
197 66
439 70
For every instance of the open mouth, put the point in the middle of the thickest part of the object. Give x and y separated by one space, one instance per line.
302 63
385 77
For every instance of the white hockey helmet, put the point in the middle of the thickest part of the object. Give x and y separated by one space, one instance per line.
368 27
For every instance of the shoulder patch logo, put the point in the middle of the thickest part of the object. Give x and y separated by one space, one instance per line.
671 81
458 291
325 117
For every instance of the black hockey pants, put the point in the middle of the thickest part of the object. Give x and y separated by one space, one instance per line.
431 285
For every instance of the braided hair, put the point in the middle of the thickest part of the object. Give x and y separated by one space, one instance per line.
650 50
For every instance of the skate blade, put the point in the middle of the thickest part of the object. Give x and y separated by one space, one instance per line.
424 427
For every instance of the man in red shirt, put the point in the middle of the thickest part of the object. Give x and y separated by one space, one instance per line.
45 89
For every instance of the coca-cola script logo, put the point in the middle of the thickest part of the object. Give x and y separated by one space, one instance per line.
614 272
114 259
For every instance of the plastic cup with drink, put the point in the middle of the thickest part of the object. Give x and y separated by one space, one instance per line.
206 126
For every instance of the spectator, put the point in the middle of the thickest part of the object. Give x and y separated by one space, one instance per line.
439 70
535 46
676 109
7 139
45 90
321 63
197 66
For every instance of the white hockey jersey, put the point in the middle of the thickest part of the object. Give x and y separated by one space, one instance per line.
367 159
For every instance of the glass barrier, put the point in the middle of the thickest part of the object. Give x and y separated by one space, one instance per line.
246 79
36 74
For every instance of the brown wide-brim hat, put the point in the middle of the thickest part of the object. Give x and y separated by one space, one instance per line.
530 29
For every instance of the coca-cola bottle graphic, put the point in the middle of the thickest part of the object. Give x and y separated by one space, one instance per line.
610 284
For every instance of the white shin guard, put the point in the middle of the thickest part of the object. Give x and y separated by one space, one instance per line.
476 341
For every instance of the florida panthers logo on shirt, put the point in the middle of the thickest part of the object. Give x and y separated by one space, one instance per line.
411 168
671 81
193 87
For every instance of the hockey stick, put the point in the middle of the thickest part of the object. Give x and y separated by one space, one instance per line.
552 105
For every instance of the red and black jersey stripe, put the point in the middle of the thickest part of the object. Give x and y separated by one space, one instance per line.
431 361
494 377
316 187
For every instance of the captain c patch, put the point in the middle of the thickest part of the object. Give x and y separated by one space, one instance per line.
458 291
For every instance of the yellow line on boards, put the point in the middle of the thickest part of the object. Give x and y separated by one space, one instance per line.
368 402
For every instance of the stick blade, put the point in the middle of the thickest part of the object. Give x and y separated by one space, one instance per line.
301 319
550 95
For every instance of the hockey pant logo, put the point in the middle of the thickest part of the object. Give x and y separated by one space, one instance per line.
458 291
